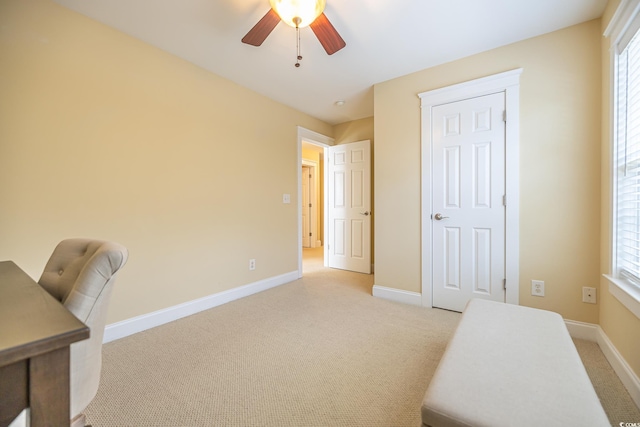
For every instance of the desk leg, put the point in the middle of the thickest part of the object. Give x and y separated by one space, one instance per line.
14 391
49 389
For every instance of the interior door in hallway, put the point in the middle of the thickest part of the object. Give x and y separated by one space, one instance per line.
468 188
306 207
349 206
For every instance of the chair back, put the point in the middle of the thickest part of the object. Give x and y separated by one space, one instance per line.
80 274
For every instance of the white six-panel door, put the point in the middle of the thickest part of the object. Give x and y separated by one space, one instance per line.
349 206
468 186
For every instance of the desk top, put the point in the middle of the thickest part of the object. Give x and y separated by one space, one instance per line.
32 322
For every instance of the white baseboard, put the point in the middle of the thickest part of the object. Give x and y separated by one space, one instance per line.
397 295
591 332
582 330
620 366
136 324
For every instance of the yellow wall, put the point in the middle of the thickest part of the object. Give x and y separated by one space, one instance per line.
357 130
621 326
103 136
559 165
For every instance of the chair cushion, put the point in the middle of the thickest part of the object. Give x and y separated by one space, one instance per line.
78 271
80 274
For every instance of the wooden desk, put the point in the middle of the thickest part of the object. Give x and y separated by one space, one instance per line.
35 334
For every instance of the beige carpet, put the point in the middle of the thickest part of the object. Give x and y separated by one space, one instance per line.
320 351
614 397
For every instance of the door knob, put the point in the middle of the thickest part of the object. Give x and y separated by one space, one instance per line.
439 217
365 213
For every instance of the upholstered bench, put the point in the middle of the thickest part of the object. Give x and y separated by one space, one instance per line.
508 365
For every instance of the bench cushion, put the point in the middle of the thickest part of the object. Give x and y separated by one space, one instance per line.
509 365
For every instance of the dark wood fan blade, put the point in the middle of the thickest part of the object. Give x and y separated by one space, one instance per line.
262 29
327 34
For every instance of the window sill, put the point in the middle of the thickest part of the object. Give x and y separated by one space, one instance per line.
628 295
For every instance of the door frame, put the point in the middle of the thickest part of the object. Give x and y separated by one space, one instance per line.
315 138
509 83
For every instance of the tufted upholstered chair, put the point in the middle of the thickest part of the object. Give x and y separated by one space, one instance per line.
80 274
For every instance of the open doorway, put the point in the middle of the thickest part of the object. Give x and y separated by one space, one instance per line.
312 206
312 210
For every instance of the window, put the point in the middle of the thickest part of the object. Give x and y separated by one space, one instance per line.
627 163
626 157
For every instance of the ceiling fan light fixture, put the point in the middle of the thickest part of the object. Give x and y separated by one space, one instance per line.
298 13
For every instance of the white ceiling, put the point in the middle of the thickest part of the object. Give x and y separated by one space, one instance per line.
385 39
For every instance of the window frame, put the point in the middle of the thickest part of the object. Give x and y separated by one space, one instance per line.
623 25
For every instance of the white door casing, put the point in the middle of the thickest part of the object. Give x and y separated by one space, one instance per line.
468 189
506 83
349 206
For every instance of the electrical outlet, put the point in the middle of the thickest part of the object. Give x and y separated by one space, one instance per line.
589 295
252 264
537 288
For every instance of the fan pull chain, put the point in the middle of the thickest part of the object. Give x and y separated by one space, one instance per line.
298 46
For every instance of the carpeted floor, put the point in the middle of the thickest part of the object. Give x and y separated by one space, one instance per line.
614 397
320 351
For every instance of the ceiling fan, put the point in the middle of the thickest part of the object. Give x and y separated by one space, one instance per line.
298 14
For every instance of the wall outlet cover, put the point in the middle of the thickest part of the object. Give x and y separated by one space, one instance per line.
537 288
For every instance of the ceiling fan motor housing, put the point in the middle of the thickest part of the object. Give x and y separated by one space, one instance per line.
298 13
301 13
